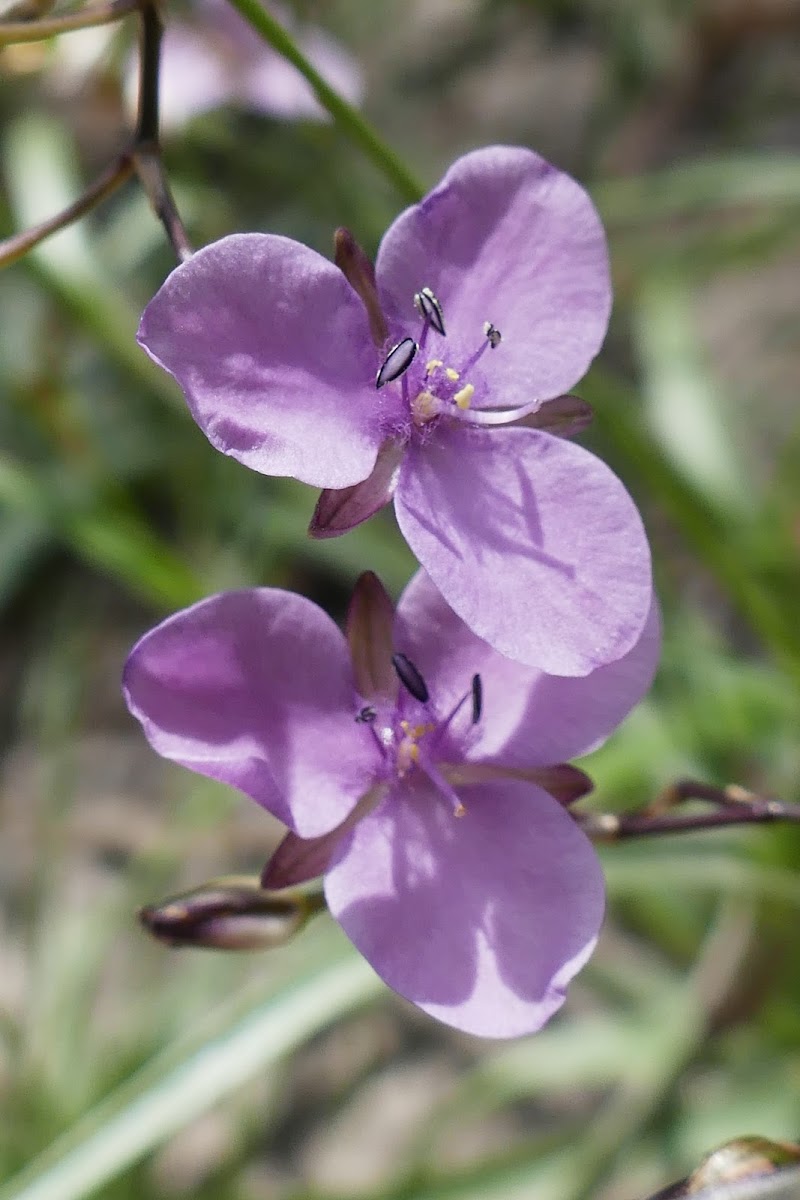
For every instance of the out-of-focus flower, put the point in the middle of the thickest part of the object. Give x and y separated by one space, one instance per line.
211 56
419 770
428 380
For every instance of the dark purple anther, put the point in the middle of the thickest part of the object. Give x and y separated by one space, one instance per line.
493 334
398 360
429 307
410 678
477 698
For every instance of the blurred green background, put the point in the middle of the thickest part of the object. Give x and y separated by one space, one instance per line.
294 1074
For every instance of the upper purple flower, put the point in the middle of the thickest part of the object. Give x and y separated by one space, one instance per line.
416 767
212 56
428 380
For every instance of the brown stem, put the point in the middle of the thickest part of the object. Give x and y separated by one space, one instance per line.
150 170
12 248
734 806
143 156
146 150
36 31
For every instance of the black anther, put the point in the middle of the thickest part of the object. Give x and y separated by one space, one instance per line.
410 678
429 307
477 698
493 334
398 360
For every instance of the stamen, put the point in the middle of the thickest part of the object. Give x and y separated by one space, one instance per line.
451 374
493 335
447 790
500 416
410 678
464 398
424 407
397 361
431 366
430 309
367 715
477 698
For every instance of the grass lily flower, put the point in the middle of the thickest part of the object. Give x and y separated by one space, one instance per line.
416 768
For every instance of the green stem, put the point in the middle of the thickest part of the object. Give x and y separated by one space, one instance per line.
343 113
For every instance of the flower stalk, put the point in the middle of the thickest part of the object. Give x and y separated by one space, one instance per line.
731 805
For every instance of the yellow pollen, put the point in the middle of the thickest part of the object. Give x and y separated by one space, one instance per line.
431 366
451 374
464 398
404 725
424 407
459 811
413 752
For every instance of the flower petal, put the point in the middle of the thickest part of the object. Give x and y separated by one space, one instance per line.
529 718
273 351
255 688
532 540
506 238
480 920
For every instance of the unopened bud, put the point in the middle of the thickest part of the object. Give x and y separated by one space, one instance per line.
234 913
747 1168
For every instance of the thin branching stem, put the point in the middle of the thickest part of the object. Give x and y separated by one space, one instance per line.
732 805
143 156
12 32
14 247
146 150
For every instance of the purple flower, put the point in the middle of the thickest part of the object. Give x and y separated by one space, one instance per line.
213 57
422 381
416 768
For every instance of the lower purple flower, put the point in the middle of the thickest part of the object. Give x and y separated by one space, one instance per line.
420 771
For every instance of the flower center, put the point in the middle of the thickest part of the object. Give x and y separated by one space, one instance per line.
440 389
412 736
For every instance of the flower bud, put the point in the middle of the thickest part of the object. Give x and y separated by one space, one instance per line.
233 913
747 1168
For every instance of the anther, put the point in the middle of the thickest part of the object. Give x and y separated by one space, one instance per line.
463 398
430 309
367 715
398 360
410 678
477 698
493 335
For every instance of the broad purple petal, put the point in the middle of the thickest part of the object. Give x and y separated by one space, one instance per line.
273 351
255 688
480 920
505 238
529 718
533 541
